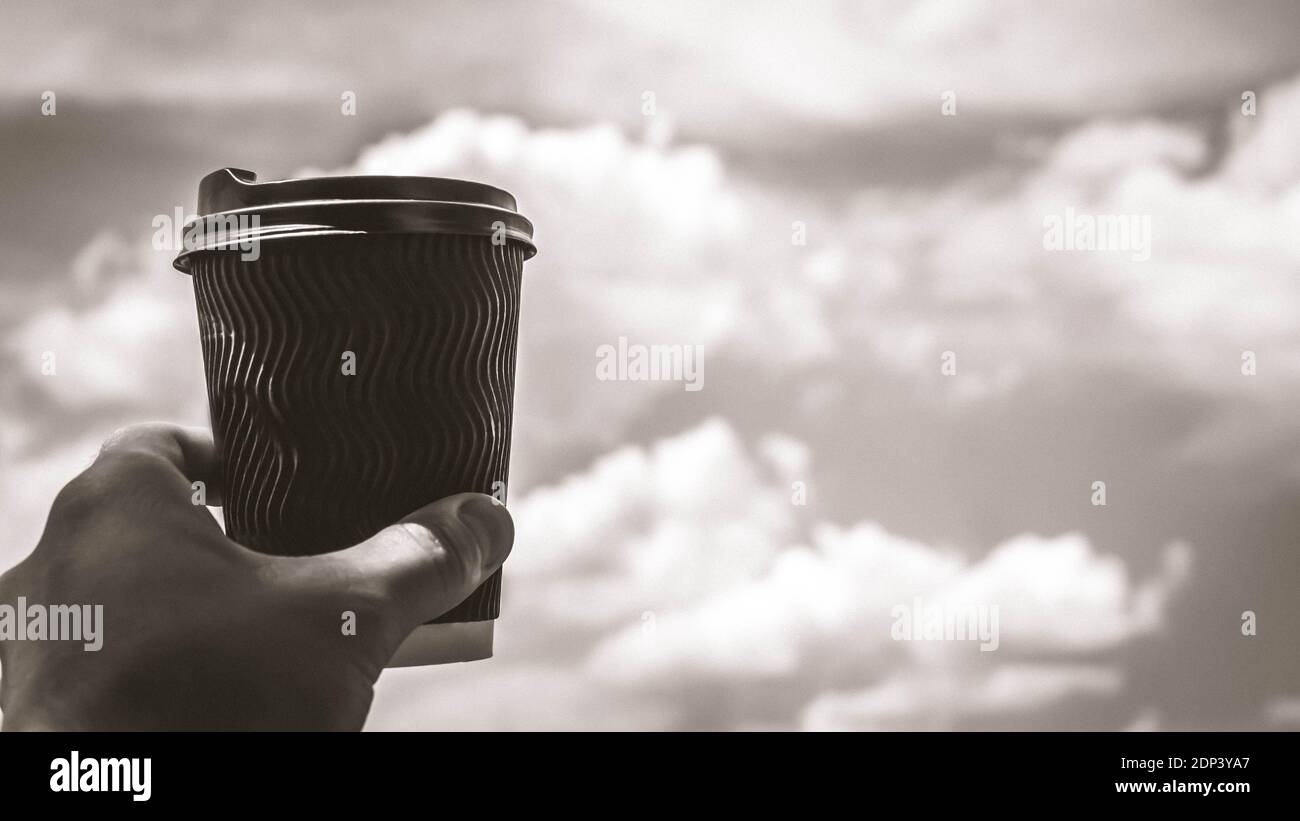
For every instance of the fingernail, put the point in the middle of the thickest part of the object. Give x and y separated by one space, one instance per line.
491 525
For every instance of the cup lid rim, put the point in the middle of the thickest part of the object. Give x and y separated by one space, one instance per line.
228 188
354 204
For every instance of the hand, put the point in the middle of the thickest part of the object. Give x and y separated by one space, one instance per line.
199 632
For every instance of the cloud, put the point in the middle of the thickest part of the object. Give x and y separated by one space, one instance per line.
764 77
124 348
646 529
974 276
661 571
1283 712
939 700
869 63
834 96
494 696
832 604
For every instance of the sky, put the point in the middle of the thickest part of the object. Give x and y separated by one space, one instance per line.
914 402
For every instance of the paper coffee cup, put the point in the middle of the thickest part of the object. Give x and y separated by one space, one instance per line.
359 339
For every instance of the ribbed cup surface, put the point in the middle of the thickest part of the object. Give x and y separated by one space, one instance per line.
315 459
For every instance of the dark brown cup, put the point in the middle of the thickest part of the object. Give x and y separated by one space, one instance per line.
359 344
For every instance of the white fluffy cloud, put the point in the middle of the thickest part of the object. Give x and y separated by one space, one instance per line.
832 604
974 277
136 345
647 529
685 565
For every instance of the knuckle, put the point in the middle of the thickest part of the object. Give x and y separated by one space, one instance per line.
449 543
128 474
79 499
142 431
131 464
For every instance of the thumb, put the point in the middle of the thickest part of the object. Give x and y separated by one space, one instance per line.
427 563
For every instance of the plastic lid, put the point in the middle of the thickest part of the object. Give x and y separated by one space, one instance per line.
236 210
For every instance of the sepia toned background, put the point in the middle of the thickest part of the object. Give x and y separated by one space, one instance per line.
670 154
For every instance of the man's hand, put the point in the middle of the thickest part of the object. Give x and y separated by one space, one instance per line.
202 633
